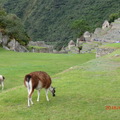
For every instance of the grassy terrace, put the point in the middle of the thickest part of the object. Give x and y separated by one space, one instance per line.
35 47
112 45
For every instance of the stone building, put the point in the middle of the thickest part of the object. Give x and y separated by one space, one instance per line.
87 36
71 44
106 24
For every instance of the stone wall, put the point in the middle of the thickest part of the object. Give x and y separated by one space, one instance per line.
42 50
40 47
104 51
37 43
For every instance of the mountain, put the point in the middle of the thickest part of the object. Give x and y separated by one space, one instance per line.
51 20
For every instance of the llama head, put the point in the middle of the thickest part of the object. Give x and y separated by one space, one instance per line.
53 91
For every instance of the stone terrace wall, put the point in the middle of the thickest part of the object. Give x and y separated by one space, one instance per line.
104 51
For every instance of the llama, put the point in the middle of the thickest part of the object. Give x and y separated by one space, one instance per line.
2 78
38 80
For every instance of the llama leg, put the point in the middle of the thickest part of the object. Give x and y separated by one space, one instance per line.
30 91
38 98
2 84
31 101
47 94
28 97
28 102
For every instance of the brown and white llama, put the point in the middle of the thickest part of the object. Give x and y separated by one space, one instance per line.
2 78
38 80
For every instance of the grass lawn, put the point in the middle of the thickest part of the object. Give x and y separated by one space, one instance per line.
83 91
15 65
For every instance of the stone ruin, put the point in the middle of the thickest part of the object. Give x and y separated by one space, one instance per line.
80 41
40 47
109 33
106 24
87 35
37 43
71 44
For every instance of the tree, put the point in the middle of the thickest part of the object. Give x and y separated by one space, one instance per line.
80 26
113 16
2 11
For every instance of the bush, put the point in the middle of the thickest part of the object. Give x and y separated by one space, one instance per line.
114 16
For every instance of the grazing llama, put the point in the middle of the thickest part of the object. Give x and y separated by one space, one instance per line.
38 80
2 78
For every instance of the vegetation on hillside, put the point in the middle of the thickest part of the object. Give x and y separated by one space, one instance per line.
80 26
51 20
12 26
114 16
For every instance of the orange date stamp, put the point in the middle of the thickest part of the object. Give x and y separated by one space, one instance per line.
112 107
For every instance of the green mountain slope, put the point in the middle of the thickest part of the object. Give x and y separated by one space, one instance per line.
51 20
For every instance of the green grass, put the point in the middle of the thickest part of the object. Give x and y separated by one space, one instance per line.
111 45
83 91
15 65
35 47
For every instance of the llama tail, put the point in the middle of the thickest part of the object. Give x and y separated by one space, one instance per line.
27 80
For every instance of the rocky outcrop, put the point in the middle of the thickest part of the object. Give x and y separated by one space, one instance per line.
11 44
15 46
5 40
